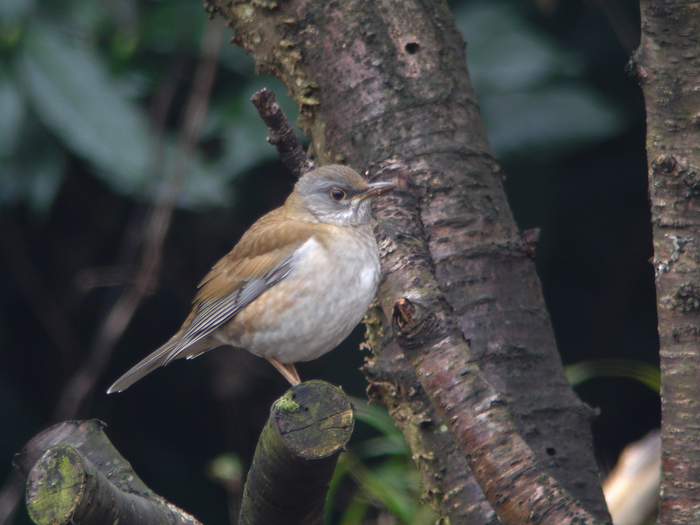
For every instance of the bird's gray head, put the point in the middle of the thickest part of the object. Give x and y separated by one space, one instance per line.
338 195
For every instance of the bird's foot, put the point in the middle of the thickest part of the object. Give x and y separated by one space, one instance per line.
287 370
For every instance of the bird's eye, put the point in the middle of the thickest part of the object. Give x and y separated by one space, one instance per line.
337 194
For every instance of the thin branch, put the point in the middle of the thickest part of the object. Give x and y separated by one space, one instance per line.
28 278
80 386
282 135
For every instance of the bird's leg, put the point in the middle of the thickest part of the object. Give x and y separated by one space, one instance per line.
288 371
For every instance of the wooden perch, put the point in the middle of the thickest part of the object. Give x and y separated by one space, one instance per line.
75 475
296 454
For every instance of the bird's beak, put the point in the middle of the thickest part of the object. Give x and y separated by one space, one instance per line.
375 189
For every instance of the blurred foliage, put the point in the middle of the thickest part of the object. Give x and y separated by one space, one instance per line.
534 98
645 373
80 78
383 472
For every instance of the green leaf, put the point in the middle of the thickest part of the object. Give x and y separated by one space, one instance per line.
506 54
71 92
386 486
556 120
14 10
531 91
203 184
382 446
392 484
34 174
646 373
375 416
168 27
355 512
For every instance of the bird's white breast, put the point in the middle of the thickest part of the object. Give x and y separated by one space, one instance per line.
324 297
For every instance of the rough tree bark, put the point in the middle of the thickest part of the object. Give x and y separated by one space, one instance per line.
668 66
383 83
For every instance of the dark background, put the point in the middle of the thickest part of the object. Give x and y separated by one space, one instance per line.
565 120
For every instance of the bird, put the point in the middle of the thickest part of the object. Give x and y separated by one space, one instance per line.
294 286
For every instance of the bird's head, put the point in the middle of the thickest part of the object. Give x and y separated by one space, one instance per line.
338 195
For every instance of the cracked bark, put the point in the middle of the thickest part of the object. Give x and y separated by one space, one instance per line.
668 67
380 82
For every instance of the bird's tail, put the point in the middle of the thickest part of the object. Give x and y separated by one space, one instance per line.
160 357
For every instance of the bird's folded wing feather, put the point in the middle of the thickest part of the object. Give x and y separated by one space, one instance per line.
262 258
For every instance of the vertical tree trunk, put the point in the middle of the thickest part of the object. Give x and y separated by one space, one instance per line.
381 82
668 66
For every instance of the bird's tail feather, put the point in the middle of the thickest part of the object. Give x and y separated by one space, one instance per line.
160 357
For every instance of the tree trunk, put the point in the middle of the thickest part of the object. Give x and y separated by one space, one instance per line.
382 84
668 66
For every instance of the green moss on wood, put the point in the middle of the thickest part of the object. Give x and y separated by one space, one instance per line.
56 486
296 455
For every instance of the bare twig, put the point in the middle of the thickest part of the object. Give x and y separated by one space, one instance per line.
10 494
83 381
620 23
282 135
45 305
124 269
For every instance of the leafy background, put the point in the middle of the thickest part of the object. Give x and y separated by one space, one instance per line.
87 144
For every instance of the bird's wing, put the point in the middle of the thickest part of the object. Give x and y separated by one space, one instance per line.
260 260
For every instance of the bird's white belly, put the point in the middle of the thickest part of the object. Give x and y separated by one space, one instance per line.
323 298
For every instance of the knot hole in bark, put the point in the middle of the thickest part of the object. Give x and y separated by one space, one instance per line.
664 163
412 323
412 48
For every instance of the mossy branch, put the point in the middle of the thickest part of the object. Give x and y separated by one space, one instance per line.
75 475
296 454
